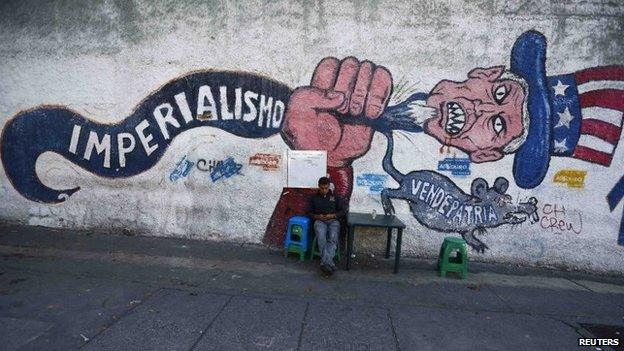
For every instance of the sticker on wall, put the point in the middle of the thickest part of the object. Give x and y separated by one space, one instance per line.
459 166
268 162
182 169
227 169
374 182
572 178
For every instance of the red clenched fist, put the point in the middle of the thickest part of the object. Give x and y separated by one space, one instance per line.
348 88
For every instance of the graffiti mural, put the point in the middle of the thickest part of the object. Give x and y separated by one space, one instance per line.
522 111
338 112
496 111
244 104
437 203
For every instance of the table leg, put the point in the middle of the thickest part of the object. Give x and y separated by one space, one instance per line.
388 242
349 245
398 250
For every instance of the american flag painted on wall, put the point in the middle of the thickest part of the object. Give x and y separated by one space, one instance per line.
588 109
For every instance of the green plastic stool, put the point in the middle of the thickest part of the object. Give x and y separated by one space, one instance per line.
297 232
448 263
296 249
315 250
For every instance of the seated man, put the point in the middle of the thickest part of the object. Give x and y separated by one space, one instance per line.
325 208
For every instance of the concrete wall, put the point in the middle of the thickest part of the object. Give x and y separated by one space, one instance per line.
105 66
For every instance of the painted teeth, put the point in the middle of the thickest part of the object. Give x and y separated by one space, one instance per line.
456 118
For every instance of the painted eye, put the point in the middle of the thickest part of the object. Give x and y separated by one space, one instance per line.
500 94
499 124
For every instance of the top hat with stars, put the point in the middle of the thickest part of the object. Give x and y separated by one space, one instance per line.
572 115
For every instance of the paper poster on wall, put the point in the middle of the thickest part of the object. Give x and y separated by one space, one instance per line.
305 167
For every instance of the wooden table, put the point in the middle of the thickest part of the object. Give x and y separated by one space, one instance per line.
355 219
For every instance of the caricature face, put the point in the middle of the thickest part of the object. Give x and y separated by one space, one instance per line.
480 115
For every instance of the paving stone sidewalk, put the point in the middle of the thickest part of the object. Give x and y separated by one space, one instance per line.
79 290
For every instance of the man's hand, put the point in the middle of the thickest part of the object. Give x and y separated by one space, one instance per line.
325 217
339 88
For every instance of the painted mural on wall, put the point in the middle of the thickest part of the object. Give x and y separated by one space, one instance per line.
244 104
437 203
493 113
522 111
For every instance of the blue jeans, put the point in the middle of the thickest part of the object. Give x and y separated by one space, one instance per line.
327 234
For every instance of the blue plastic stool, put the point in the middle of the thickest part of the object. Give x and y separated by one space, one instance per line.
296 239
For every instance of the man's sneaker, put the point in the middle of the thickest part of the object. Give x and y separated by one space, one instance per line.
327 269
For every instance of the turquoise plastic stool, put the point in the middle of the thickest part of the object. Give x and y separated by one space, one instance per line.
296 239
458 263
316 252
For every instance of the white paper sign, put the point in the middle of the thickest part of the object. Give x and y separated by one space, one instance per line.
305 167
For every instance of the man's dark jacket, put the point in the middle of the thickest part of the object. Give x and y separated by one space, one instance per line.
326 204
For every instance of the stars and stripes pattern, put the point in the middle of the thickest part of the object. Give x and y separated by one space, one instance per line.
588 108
